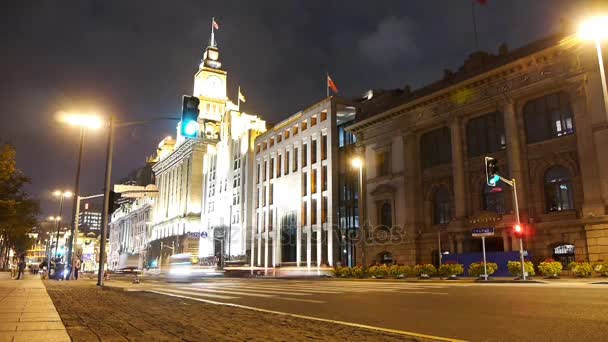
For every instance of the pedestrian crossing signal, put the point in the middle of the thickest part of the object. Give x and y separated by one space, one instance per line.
189 125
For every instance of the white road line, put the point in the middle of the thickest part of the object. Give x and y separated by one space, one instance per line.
270 291
240 293
162 291
362 326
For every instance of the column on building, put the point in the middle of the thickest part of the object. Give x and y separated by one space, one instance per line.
412 188
458 169
588 162
514 154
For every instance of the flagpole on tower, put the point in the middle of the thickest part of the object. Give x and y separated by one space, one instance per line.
212 33
327 84
238 101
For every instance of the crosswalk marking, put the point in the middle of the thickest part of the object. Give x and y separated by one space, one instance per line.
293 290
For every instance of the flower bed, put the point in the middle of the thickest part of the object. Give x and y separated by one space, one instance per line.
451 270
514 268
601 268
476 268
550 268
580 268
425 270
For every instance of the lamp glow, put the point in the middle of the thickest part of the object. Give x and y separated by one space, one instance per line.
357 163
81 120
594 28
191 128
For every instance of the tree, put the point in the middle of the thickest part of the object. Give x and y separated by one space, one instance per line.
17 211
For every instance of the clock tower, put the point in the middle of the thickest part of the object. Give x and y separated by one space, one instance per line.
210 85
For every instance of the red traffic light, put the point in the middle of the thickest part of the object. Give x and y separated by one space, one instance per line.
518 230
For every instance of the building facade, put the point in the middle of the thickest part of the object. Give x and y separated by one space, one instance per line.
539 110
89 218
295 216
129 232
203 189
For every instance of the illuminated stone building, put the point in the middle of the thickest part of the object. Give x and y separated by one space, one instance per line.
539 110
295 218
202 182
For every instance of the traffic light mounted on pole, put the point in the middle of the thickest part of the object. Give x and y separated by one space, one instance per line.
492 177
189 125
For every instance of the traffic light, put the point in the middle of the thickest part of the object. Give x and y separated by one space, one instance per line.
518 231
189 125
492 176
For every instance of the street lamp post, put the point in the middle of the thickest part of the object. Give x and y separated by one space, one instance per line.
61 195
106 203
596 29
358 164
83 121
74 238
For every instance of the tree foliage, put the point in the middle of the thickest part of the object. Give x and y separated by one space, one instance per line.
17 211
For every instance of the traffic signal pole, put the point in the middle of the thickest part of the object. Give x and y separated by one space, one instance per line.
521 239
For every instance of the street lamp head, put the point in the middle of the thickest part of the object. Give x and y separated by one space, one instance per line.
67 194
81 120
357 162
593 28
57 193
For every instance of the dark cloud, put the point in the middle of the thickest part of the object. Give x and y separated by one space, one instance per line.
134 59
392 41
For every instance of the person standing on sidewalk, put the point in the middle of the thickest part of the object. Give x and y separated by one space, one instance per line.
76 268
21 267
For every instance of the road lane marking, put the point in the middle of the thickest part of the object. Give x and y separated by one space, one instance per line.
162 291
356 325
239 293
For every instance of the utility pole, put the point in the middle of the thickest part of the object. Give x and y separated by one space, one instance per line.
106 203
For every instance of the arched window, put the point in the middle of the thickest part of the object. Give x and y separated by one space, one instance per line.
548 117
386 215
385 258
558 189
442 206
494 198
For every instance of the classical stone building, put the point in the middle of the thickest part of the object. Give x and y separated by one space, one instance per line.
538 109
296 181
204 196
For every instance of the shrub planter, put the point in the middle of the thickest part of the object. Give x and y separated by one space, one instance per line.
515 269
581 269
550 268
476 269
425 271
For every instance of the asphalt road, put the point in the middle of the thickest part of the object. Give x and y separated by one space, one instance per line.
467 311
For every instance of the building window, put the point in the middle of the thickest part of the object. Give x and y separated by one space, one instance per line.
313 211
304 125
304 161
295 159
386 215
436 147
344 137
442 206
304 212
494 198
324 209
264 196
271 172
279 168
383 163
313 151
324 178
294 131
270 195
257 197
323 116
264 170
558 189
304 184
323 147
313 181
313 120
286 162
286 134
486 134
279 138
548 117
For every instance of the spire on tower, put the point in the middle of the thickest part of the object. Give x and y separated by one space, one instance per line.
212 53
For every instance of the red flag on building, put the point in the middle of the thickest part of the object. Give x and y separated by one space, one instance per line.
215 25
331 85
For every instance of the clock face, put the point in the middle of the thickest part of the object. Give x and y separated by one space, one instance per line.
213 87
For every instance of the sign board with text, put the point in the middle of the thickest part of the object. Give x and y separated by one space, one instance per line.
483 232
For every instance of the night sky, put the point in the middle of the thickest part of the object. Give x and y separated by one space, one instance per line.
136 58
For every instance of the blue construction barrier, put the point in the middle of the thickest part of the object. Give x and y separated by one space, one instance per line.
500 258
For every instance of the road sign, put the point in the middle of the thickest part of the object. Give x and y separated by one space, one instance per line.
204 235
194 235
481 232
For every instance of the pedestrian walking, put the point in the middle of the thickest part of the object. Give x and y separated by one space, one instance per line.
21 267
76 268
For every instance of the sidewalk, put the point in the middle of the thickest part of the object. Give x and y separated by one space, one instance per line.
27 312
